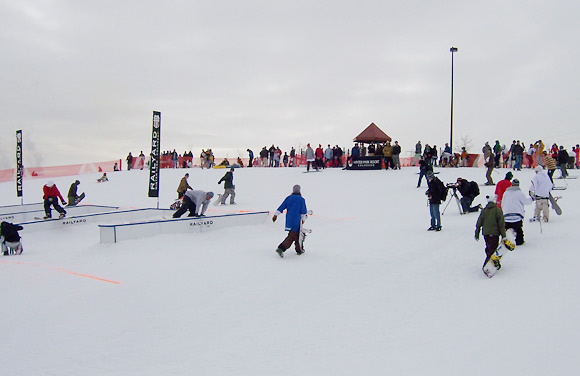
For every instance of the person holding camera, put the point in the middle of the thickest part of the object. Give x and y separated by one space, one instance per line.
468 190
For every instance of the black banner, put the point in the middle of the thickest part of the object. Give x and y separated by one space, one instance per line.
19 166
364 163
155 155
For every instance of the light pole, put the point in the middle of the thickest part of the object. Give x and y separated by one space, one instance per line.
452 49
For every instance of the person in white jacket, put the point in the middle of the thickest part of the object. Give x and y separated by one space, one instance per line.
513 203
194 201
540 192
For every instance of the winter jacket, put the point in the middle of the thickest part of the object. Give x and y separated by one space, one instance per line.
10 232
464 187
309 154
200 200
500 188
295 207
513 202
388 151
436 191
491 221
550 162
541 185
183 185
51 192
228 178
72 192
563 157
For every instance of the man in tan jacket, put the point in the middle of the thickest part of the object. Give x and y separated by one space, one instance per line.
183 186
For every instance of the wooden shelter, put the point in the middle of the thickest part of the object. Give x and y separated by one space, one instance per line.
372 134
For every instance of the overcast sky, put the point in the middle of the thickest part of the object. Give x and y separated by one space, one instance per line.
82 78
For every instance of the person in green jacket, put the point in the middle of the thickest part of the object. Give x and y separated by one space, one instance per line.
492 222
229 187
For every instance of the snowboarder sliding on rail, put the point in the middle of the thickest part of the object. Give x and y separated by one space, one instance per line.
295 207
51 196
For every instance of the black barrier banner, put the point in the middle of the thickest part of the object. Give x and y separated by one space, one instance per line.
364 163
19 166
155 155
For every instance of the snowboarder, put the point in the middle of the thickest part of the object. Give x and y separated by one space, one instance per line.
10 238
540 192
73 197
513 208
194 201
50 197
103 178
295 207
492 222
310 158
183 186
229 187
424 168
437 193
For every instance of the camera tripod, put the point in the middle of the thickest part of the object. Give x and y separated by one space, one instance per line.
454 194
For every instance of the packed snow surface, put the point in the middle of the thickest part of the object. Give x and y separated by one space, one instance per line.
374 294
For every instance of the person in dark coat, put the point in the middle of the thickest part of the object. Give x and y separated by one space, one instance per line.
72 195
229 187
436 193
10 238
424 168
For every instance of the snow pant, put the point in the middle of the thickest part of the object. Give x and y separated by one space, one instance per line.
489 171
421 174
466 204
518 164
389 163
551 175
435 215
293 237
11 248
396 162
228 192
563 169
518 227
308 163
491 244
542 206
416 159
52 201
187 205
180 194
72 200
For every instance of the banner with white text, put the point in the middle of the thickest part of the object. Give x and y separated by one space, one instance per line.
19 165
155 155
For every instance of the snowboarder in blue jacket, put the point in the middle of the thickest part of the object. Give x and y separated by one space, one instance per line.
295 207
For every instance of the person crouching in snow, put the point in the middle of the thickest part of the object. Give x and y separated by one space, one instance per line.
194 201
10 238
103 178
492 222
51 196
295 207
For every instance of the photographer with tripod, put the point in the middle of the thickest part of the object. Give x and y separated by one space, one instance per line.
469 191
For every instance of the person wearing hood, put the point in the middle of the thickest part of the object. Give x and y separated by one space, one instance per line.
513 209
295 207
194 201
492 224
50 197
73 197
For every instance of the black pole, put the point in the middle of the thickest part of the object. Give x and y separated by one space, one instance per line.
452 49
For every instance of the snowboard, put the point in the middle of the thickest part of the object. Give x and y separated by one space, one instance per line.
218 200
78 200
555 205
489 269
304 231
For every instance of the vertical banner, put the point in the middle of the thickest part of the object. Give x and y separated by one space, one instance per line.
155 156
19 166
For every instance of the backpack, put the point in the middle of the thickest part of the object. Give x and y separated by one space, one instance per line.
444 191
474 188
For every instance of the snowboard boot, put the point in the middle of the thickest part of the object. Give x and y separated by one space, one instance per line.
509 245
280 252
495 260
299 252
62 215
438 228
432 228
47 217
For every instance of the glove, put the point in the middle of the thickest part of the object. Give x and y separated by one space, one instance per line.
274 218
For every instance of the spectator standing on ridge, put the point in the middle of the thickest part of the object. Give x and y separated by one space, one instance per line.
129 161
310 158
418 153
251 154
563 159
396 153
